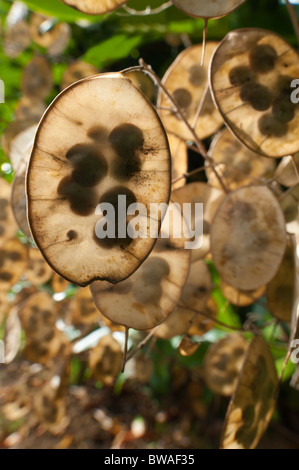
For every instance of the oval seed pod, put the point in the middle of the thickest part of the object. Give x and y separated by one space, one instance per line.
58 283
94 7
76 71
29 108
179 160
288 170
83 310
20 148
38 272
251 76
200 193
16 39
241 298
151 293
204 9
18 202
281 289
143 81
187 81
252 404
37 78
8 226
46 33
187 347
12 263
248 237
105 360
236 164
89 152
290 207
223 362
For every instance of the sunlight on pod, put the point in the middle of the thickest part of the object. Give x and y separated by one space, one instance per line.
210 197
98 140
252 405
142 81
280 291
187 346
287 172
223 362
94 7
105 360
241 298
210 9
251 79
248 237
187 81
236 164
187 317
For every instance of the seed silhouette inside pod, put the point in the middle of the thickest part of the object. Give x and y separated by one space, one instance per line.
204 9
236 164
151 293
223 362
193 301
251 78
252 404
281 289
90 154
288 170
94 7
200 193
248 237
187 81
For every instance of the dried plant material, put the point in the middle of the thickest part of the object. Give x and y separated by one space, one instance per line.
194 298
37 78
12 263
248 237
88 155
12 336
94 7
29 108
287 172
38 272
20 148
17 39
143 81
241 298
204 320
143 368
281 289
223 362
4 306
151 293
289 203
19 203
46 33
187 81
58 283
105 360
252 404
204 9
196 193
83 310
251 76
77 71
236 164
179 160
187 347
12 130
8 226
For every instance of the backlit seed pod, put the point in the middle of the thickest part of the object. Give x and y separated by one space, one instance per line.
12 263
204 9
281 290
18 202
252 404
187 347
37 78
288 170
16 39
148 296
223 362
58 283
289 203
38 272
105 360
200 193
46 33
248 237
76 71
8 226
12 131
236 164
241 298
143 81
29 108
179 160
12 336
187 81
100 142
251 79
20 149
94 7
83 310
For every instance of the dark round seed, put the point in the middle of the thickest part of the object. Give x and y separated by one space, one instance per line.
262 58
257 95
126 139
240 75
270 126
182 97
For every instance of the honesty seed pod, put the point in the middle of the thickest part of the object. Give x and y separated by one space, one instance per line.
210 9
94 7
100 142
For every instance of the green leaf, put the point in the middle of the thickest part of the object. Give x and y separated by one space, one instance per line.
111 50
61 11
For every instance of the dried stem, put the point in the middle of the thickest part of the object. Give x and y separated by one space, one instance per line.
293 17
181 115
125 348
142 343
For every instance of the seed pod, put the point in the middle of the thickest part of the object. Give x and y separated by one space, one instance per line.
241 298
12 263
76 71
8 226
251 79
94 7
204 9
248 237
100 141
38 272
187 81
105 360
37 78
288 170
